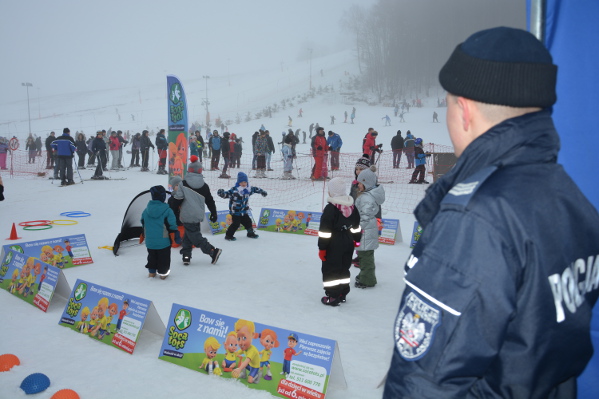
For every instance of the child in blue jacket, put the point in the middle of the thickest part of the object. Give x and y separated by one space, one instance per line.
158 220
239 196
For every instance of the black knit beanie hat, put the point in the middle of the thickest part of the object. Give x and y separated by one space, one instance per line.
503 66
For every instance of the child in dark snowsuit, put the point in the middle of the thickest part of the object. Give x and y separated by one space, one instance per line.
158 220
239 196
338 234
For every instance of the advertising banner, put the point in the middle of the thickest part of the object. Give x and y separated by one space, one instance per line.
416 233
224 221
62 252
177 127
388 231
283 362
289 221
30 279
112 317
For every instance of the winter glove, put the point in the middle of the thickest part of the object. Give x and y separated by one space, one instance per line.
322 254
356 244
213 217
178 239
264 193
220 192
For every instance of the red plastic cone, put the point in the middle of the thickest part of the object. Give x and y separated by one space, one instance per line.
13 233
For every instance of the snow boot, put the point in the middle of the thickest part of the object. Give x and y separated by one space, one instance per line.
186 260
230 238
331 301
251 234
215 255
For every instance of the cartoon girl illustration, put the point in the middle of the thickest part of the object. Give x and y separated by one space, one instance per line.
37 269
231 352
268 339
210 365
278 227
246 332
93 321
49 255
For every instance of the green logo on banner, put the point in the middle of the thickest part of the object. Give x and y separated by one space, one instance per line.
183 319
81 291
176 97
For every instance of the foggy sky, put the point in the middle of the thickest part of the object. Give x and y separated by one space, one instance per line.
72 46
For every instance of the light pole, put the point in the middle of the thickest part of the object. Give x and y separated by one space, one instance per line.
27 86
206 102
310 69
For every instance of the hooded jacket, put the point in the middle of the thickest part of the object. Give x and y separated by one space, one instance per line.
191 199
503 280
157 219
368 204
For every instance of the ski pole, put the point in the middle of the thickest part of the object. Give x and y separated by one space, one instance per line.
79 173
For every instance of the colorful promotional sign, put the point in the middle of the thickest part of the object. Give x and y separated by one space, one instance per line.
224 220
416 233
62 252
109 316
177 127
30 279
289 221
388 231
285 363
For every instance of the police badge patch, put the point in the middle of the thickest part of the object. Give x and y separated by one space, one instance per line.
415 327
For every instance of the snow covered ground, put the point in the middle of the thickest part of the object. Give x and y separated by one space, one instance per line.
285 268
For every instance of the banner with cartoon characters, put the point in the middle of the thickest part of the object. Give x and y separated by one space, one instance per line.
289 221
177 127
416 233
388 230
224 220
285 363
62 252
30 279
112 317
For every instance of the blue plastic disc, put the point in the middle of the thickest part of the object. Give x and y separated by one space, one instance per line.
35 383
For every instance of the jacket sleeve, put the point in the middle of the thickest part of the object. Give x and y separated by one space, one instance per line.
461 283
325 231
208 199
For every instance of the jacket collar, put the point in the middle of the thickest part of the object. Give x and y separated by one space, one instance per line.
527 139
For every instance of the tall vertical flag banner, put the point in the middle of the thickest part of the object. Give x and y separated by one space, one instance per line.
177 127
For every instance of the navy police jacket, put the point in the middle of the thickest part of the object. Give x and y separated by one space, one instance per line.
500 286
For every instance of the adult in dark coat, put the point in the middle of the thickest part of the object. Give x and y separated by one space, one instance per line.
50 151
397 148
144 147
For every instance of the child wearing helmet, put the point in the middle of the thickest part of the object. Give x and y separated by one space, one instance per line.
420 161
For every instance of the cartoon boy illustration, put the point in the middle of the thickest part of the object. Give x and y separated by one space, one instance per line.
246 332
278 227
69 248
13 281
82 325
300 217
308 221
37 269
210 365
122 314
58 258
231 349
289 353
42 278
268 339
113 309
